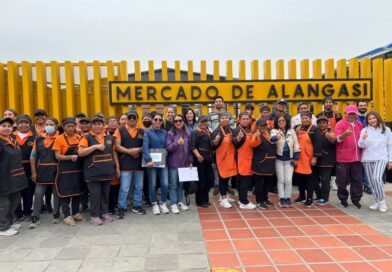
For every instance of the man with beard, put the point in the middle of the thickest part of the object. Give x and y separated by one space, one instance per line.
281 108
332 115
361 117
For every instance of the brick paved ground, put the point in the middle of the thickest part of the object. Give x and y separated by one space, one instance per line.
316 239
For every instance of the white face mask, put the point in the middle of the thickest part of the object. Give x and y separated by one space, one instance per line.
50 129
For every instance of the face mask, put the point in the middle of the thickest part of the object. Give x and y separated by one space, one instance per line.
50 129
147 123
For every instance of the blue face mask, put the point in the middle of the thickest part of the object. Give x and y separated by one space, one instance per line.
50 129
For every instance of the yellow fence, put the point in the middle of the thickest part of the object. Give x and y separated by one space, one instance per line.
66 88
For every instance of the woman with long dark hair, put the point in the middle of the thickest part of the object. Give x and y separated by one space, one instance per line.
190 119
376 144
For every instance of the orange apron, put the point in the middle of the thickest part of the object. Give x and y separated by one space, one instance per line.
225 157
245 156
332 121
306 154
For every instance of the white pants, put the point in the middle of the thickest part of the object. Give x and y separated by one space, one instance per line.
284 174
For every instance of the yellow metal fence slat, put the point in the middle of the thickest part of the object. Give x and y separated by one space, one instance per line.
27 89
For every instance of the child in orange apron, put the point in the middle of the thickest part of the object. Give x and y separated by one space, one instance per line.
263 162
309 141
224 156
241 139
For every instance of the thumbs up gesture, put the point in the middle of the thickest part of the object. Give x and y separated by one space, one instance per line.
240 135
365 135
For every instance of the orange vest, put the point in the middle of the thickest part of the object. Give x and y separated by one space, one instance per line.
245 156
225 157
306 154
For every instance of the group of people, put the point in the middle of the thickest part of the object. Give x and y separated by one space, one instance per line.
100 163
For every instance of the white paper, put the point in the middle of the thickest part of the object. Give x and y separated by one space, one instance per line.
156 157
188 174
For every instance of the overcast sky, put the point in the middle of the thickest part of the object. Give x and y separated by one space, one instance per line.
200 29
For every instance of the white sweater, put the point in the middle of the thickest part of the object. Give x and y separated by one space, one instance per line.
377 146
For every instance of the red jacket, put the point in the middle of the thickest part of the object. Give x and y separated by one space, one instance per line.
348 150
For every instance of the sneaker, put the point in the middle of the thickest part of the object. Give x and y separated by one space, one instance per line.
56 217
263 206
357 204
230 199
300 199
8 232
174 209
138 210
282 203
216 190
107 218
382 207
322 202
249 206
121 213
343 203
374 206
16 226
225 203
182 206
69 221
147 203
79 217
164 209
308 203
34 222
288 203
96 221
269 203
155 209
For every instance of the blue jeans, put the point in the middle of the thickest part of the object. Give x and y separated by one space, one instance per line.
152 183
128 180
175 187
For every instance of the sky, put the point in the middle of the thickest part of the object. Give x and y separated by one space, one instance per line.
197 30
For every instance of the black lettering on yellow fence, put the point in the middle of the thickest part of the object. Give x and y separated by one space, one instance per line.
122 92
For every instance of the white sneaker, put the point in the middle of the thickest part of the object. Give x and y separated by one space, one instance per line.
155 209
164 209
16 226
225 203
182 206
8 232
174 209
374 206
382 207
249 206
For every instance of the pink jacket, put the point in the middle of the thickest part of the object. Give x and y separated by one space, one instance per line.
348 150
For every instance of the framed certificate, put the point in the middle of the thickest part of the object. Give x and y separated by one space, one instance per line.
158 156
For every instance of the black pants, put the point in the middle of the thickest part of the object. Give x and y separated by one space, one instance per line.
349 173
66 201
113 197
263 185
243 186
48 196
323 185
8 204
27 195
99 197
306 185
223 185
205 183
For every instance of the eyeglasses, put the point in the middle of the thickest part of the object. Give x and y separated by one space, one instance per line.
178 121
158 119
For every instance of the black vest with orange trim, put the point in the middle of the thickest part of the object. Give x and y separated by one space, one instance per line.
25 150
46 162
12 175
264 156
128 162
99 165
